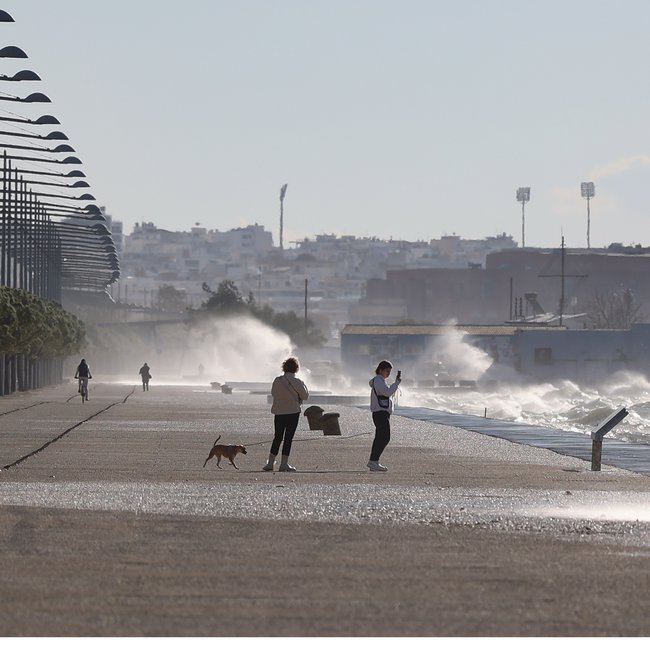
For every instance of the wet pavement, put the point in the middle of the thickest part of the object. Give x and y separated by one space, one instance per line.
120 470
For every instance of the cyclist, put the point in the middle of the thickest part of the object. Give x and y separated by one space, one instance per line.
83 375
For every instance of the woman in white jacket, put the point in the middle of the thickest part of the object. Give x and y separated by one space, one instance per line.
288 393
381 405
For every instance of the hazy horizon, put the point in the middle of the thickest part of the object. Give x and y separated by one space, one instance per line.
408 120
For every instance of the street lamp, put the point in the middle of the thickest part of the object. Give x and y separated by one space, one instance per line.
62 148
588 191
523 196
12 52
45 247
23 75
53 135
33 98
43 119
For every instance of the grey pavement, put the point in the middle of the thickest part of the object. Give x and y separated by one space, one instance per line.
111 526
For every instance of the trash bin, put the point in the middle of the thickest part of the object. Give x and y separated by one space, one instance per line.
226 390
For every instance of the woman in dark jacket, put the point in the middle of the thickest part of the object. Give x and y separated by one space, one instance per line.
83 375
146 376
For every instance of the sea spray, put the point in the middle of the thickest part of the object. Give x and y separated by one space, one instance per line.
562 405
236 348
460 359
233 348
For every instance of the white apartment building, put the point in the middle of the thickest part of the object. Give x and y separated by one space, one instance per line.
336 268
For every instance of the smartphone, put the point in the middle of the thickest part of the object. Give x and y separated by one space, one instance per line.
399 374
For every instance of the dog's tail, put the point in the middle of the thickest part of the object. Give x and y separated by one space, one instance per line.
210 455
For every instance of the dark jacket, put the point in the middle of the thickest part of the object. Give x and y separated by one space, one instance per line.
83 371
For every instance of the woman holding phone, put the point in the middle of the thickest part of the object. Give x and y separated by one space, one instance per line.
381 405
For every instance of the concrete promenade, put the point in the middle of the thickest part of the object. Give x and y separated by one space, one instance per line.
110 526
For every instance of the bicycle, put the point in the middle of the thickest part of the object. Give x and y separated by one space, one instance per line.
83 388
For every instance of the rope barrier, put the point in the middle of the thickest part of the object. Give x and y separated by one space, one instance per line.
354 435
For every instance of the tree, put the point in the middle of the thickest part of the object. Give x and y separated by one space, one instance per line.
616 310
301 333
36 327
227 300
171 299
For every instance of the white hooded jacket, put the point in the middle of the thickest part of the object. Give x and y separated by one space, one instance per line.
381 387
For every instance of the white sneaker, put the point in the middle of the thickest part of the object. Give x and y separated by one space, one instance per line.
376 466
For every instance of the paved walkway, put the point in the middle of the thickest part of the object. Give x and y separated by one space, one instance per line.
111 526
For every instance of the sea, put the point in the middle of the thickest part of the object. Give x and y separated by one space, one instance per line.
562 404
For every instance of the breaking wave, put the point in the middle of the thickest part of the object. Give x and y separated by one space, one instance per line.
562 404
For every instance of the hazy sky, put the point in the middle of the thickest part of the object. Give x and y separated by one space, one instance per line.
410 118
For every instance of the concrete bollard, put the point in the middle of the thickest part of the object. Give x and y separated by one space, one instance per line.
318 420
314 414
226 390
330 423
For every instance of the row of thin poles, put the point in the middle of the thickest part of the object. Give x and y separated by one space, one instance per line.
30 259
30 256
45 247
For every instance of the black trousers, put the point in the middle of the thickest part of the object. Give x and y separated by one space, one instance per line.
382 433
285 428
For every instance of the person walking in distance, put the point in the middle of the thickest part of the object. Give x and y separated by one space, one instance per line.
381 405
288 394
146 376
83 375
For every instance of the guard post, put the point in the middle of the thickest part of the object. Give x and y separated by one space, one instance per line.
597 436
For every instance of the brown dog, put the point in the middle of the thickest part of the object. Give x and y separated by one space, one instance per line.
228 451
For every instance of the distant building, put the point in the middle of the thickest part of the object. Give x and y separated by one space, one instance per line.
437 355
339 270
488 295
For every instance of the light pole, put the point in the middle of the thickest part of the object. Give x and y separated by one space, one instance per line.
283 191
523 196
588 191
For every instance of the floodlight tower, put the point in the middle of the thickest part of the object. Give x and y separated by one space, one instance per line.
588 191
283 191
523 196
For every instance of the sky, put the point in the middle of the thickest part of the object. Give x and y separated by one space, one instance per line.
403 119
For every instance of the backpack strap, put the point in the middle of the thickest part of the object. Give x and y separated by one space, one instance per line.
294 389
